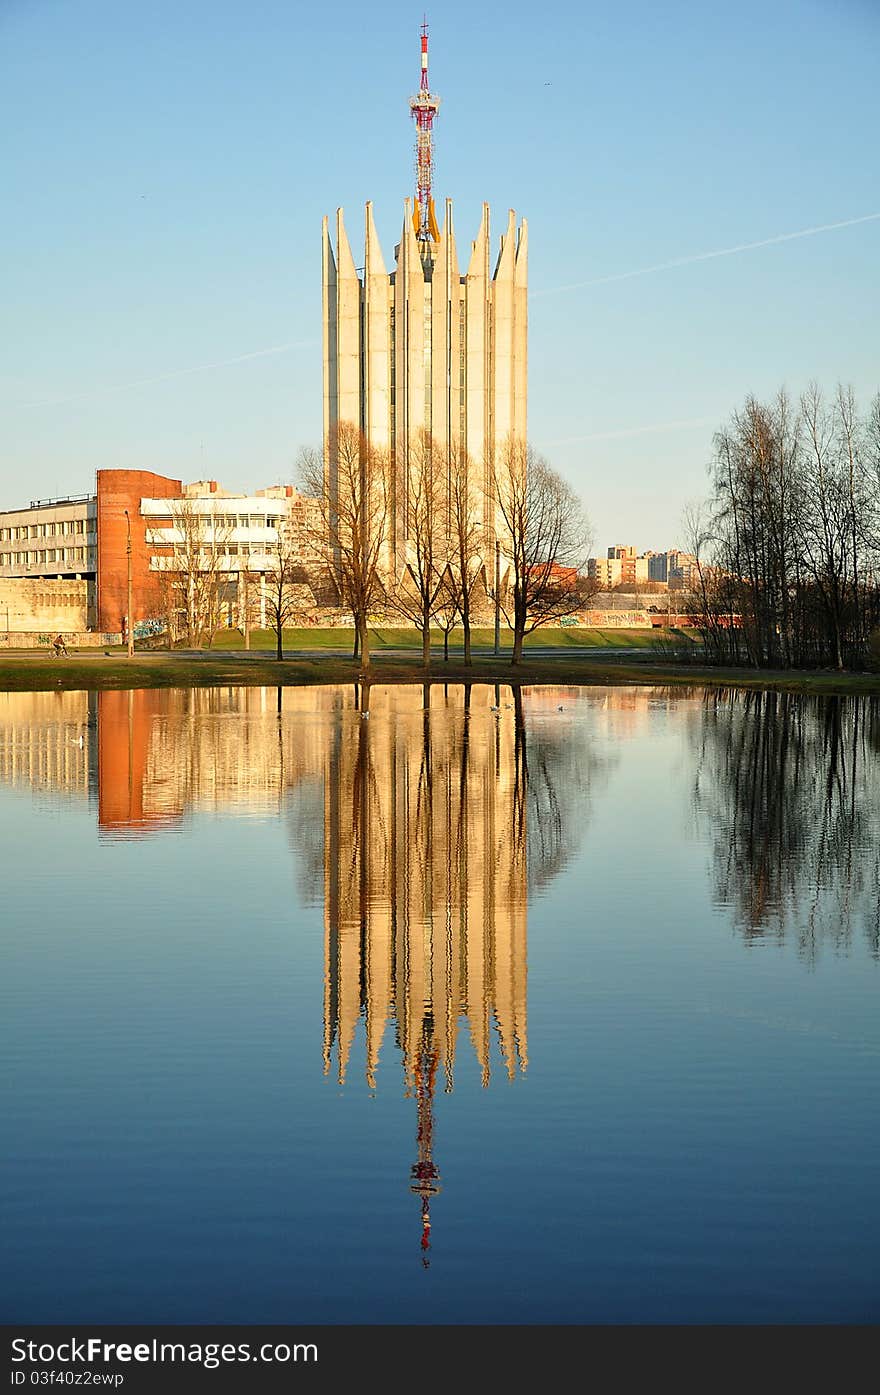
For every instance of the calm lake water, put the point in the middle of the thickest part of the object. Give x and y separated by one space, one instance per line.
459 1012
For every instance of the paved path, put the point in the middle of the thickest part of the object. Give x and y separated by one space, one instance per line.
532 652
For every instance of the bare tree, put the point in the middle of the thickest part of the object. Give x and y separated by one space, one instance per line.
755 507
794 528
465 543
248 599
714 602
194 571
280 582
419 585
824 523
546 537
870 469
447 609
348 534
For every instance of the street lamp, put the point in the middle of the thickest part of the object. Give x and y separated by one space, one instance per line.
129 627
497 596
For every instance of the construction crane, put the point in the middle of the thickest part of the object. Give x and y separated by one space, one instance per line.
424 107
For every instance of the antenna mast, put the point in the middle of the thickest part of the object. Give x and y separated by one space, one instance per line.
424 108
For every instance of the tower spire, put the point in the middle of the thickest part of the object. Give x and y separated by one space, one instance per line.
424 1174
424 107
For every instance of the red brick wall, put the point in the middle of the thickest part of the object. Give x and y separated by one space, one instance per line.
117 491
125 721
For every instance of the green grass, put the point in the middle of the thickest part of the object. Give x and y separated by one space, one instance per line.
395 637
29 670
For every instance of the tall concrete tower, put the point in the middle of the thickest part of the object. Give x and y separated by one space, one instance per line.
425 348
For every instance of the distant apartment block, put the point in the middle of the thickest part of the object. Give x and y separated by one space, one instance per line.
622 566
681 571
606 571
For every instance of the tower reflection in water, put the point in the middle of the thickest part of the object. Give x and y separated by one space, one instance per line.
425 891
417 822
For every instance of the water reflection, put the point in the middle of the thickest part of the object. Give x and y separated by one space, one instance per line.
426 892
48 743
425 819
787 787
421 816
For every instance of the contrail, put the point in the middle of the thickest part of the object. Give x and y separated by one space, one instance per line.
176 373
687 424
709 256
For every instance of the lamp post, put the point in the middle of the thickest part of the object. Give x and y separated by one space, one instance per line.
497 597
129 627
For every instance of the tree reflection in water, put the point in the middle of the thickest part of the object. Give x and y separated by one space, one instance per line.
787 784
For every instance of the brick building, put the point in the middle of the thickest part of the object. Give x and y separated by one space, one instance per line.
64 562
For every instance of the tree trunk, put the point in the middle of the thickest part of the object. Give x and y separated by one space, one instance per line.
446 646
364 645
279 645
426 645
518 637
357 642
466 626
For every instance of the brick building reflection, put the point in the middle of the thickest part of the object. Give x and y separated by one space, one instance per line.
165 753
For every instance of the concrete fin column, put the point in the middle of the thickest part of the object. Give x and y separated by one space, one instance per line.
409 359
397 502
504 982
377 341
521 333
415 295
520 973
478 325
348 329
456 295
445 303
350 970
328 307
503 333
439 344
377 975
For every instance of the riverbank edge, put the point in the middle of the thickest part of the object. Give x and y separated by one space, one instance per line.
24 673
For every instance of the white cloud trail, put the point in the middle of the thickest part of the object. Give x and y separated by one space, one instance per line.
175 373
686 424
547 290
709 256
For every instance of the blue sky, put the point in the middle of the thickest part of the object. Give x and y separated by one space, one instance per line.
167 167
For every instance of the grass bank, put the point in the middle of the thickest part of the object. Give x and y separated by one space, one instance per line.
384 637
35 671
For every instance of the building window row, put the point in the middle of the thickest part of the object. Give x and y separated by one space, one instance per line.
68 527
178 561
44 557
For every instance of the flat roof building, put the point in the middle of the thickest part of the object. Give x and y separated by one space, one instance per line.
64 562
54 538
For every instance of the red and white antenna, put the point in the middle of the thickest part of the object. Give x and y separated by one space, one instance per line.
424 108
